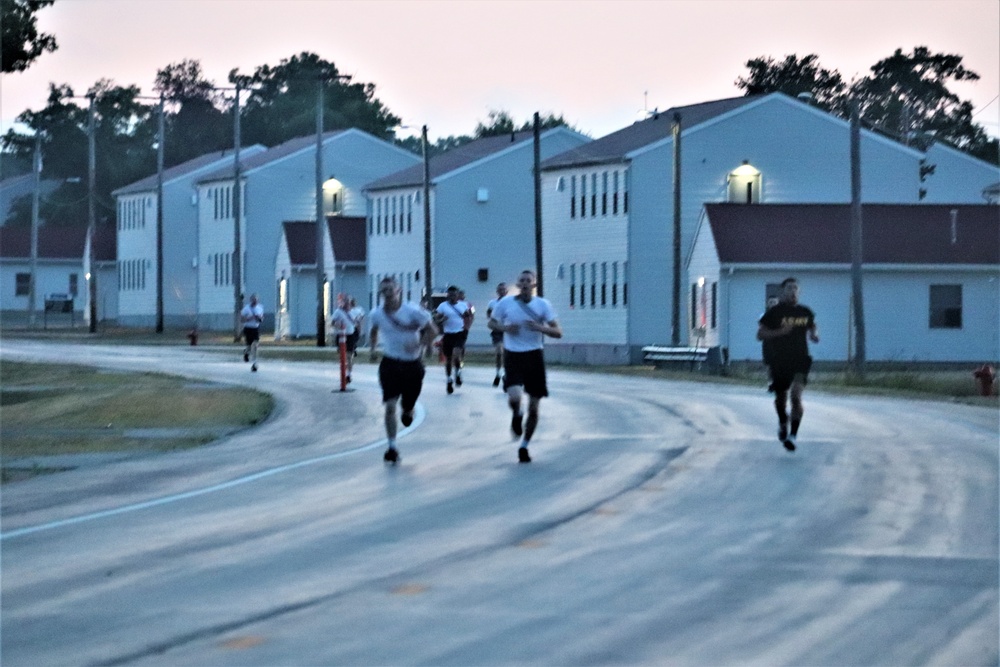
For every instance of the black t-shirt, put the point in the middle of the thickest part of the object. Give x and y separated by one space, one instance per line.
792 346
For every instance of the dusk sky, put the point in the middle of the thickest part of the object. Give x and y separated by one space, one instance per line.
447 64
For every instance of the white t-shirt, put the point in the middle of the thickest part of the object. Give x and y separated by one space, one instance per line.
399 331
252 316
511 310
491 306
357 314
453 321
341 321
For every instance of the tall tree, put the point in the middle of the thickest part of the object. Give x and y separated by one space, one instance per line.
501 122
124 153
281 103
21 42
793 76
905 96
196 121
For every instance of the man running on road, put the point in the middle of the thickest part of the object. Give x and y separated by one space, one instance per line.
406 330
497 336
785 327
524 320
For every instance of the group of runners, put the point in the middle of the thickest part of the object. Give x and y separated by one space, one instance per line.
518 325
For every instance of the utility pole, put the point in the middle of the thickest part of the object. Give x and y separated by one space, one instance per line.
675 330
857 244
428 284
237 215
159 218
536 126
35 204
91 212
320 223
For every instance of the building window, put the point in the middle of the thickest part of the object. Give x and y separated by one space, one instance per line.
593 285
583 285
572 285
946 307
583 196
409 214
624 283
625 180
572 196
614 196
604 284
614 284
22 284
744 184
604 194
593 195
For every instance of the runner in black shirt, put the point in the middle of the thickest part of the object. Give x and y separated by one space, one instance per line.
785 328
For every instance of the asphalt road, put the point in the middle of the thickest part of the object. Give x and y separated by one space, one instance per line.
660 523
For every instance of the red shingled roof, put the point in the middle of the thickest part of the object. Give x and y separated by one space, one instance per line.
54 242
821 233
347 234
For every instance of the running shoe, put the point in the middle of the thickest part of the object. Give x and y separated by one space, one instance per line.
254 368
246 357
451 387
496 381
789 443
406 418
391 455
515 424
523 456
783 432
458 378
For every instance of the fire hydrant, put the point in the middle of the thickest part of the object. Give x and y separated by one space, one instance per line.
985 376
193 336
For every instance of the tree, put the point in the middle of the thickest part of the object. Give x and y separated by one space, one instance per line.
793 76
196 122
501 122
124 135
22 43
281 103
906 96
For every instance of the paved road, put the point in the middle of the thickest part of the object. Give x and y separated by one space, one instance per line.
661 522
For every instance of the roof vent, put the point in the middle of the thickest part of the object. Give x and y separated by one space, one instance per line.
806 97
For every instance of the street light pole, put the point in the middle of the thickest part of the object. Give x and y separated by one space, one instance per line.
428 284
320 223
91 212
35 203
159 219
237 216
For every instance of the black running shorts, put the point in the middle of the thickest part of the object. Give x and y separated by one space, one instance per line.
352 340
450 341
496 337
526 369
783 373
401 379
251 334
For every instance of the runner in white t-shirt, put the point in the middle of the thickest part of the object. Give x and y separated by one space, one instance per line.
405 330
496 337
452 313
251 316
342 324
525 320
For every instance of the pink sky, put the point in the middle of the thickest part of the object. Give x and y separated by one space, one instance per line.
448 63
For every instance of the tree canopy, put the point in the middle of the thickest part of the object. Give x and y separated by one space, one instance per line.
279 103
905 96
21 42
